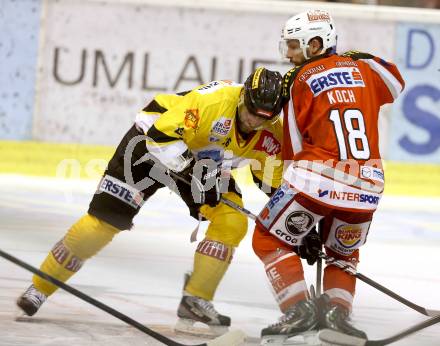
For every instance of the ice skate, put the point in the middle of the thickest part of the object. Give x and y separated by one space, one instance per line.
337 318
31 300
298 326
194 310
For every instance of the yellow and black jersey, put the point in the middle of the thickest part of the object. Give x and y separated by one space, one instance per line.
203 120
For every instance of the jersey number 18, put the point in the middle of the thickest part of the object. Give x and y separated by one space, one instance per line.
357 139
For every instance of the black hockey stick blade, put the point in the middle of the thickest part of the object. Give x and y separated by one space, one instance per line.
177 176
336 338
333 337
432 313
379 287
397 297
233 338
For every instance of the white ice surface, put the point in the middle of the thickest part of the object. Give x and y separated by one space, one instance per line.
141 272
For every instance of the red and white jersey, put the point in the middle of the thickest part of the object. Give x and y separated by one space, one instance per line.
331 127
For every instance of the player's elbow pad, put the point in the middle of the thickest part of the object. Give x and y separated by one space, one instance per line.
175 156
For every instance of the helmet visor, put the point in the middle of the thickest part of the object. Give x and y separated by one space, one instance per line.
282 48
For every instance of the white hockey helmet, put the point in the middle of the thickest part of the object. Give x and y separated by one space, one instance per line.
307 25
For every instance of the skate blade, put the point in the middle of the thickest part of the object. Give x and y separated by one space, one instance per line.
330 337
191 327
303 339
232 338
20 316
273 340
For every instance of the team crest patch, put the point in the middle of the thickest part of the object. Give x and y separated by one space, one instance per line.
298 222
192 118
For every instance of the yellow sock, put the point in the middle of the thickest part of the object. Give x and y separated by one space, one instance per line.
83 240
211 261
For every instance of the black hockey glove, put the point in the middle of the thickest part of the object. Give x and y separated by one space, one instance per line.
311 245
205 182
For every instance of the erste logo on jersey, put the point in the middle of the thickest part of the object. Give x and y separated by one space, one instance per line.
268 143
222 126
122 191
339 77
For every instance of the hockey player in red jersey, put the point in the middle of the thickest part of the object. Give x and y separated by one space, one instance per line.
333 174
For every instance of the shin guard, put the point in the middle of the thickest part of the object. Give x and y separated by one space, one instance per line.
211 261
283 268
83 240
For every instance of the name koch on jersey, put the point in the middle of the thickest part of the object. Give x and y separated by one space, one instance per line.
338 77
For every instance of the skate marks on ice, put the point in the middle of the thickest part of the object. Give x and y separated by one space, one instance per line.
65 320
147 291
304 339
190 327
54 330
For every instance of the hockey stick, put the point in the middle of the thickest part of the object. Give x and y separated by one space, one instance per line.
350 270
336 338
234 337
322 255
342 265
319 265
182 179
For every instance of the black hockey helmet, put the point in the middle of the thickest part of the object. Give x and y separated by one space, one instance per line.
262 93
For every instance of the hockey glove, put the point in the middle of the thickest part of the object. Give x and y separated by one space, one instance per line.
310 247
205 182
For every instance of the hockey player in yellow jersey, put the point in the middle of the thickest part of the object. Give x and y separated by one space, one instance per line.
200 136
